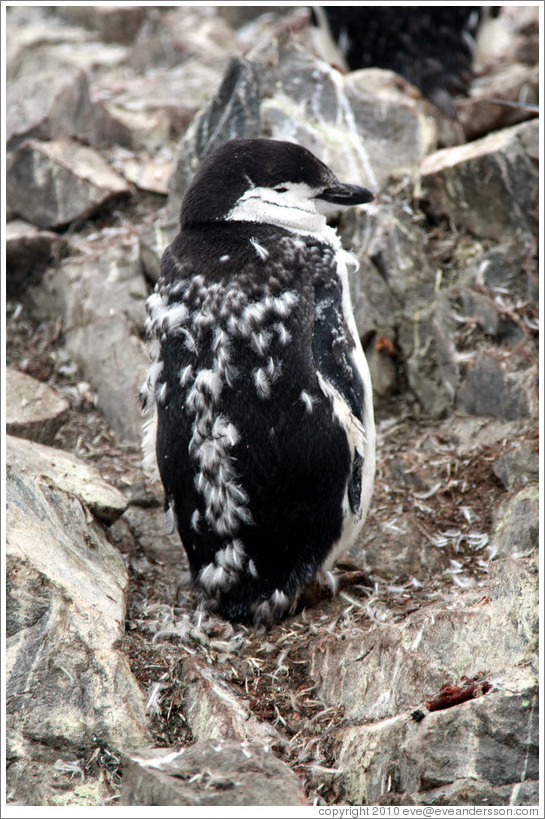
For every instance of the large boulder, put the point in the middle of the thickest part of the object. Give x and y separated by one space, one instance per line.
57 182
211 772
489 186
100 297
70 690
382 674
33 409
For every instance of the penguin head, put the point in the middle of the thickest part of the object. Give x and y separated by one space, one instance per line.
266 181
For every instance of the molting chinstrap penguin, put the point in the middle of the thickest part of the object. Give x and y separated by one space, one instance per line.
258 394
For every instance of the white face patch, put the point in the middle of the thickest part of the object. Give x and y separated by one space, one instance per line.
293 208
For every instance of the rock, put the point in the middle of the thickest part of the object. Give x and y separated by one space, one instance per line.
54 183
100 296
146 173
28 251
479 113
516 528
518 467
33 34
33 409
46 102
151 109
394 278
379 675
472 741
488 186
405 553
401 662
380 353
394 297
115 361
469 792
494 269
211 772
213 710
152 244
64 472
492 388
50 99
404 123
148 129
118 24
427 342
241 15
69 689
283 92
103 281
187 34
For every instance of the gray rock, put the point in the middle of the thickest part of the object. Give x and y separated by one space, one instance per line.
517 523
148 129
519 466
69 688
104 281
482 310
504 268
100 297
493 739
28 251
64 472
395 278
383 670
490 388
281 91
50 99
479 113
381 674
184 34
211 772
394 296
488 186
115 362
147 173
232 112
46 102
402 135
213 710
152 244
31 33
405 553
470 792
54 183
153 109
380 353
118 24
427 341
33 409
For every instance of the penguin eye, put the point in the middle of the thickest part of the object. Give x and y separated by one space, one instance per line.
281 189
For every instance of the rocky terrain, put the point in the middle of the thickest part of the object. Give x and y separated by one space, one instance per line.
417 684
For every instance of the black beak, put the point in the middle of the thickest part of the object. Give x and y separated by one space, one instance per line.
346 195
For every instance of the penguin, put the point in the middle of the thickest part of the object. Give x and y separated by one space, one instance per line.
431 46
258 394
